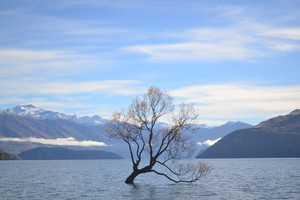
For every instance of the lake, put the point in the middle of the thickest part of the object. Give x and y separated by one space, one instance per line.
104 179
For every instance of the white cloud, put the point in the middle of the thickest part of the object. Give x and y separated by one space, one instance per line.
113 87
230 101
100 4
209 142
110 87
98 31
193 51
285 33
240 40
30 55
285 47
70 141
35 63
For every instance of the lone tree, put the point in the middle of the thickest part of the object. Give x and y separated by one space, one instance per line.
138 127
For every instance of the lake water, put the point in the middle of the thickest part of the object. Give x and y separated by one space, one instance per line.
104 179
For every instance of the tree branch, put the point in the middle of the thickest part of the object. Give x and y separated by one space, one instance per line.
165 175
163 164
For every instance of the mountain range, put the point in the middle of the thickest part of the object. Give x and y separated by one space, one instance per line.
28 121
276 137
30 111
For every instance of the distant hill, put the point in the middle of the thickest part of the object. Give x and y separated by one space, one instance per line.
59 153
5 156
276 137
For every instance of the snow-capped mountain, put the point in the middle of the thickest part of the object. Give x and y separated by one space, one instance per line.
31 111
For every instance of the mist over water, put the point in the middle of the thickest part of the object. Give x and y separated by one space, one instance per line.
104 179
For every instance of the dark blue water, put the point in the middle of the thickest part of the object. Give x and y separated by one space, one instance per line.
104 179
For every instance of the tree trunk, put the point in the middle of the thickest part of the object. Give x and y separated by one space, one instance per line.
136 172
131 177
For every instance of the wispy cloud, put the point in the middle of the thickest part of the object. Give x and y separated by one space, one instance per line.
70 141
71 97
209 142
230 101
241 39
30 55
110 87
40 30
284 33
194 51
47 63
215 44
51 56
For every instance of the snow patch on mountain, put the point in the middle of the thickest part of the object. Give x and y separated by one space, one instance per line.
89 121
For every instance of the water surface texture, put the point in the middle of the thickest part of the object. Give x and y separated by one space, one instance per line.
104 179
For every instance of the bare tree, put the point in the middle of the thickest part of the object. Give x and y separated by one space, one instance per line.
138 127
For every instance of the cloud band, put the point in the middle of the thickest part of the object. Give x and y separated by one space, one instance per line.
70 141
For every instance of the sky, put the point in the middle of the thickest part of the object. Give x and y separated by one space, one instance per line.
235 60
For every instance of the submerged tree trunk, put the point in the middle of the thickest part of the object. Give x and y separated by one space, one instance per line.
131 177
136 172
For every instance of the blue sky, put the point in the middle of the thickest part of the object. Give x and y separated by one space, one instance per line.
236 60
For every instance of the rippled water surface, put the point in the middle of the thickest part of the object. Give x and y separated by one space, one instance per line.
104 179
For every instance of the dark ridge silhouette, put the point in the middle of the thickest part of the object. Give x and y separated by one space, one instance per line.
276 137
60 153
